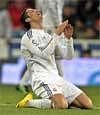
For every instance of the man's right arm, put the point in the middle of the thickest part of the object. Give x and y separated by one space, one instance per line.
33 48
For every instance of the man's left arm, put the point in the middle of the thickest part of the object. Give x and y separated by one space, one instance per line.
64 48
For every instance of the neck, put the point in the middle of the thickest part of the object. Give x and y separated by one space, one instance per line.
36 25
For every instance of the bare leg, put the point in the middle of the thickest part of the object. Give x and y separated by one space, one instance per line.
83 101
59 101
75 103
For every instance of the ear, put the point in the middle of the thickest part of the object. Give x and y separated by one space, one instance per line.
27 20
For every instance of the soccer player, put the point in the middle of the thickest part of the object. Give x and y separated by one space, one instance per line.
52 13
38 49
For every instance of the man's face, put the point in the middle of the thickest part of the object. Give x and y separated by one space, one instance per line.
34 14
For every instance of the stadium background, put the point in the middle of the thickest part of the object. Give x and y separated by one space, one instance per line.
83 70
12 65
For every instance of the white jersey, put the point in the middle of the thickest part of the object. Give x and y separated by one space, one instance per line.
38 49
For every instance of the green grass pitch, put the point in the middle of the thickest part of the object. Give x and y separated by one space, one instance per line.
9 96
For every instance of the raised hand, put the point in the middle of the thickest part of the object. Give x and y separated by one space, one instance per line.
68 31
60 29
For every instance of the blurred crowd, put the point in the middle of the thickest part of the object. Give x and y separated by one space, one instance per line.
82 14
10 25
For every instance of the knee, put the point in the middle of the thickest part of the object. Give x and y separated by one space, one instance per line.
59 102
84 101
89 104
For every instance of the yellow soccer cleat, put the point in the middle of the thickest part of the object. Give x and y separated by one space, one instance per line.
23 102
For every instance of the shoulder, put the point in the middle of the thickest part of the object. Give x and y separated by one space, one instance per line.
27 37
24 38
29 34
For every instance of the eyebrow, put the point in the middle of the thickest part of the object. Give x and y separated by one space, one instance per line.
29 10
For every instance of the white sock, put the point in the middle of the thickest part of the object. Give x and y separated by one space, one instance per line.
39 103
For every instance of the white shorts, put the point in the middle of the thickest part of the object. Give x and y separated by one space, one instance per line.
45 89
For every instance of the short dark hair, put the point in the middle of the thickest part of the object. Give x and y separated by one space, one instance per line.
24 16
